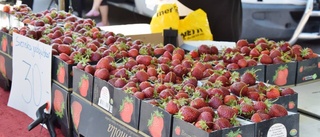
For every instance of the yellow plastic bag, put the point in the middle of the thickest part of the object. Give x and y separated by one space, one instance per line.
195 26
167 16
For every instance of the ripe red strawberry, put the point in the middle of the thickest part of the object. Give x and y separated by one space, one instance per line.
254 53
254 95
215 92
232 66
226 112
170 77
120 82
265 59
201 124
172 107
287 91
251 62
58 103
197 73
198 103
159 51
207 109
76 109
144 59
248 77
126 109
156 124
246 110
190 80
104 63
273 93
221 123
142 75
224 80
241 43
167 94
284 46
230 100
84 85
102 74
261 106
245 50
180 70
242 63
275 53
277 110
260 40
215 102
214 50
188 114
139 95
203 49
207 117
148 92
239 88
194 53
179 50
256 118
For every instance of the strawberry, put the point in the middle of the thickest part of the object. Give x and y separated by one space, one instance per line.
278 60
261 106
173 106
233 66
254 53
275 53
188 114
177 57
254 95
239 88
58 103
249 77
197 73
76 109
126 109
180 70
246 109
194 53
277 110
179 51
273 92
265 59
224 80
221 123
287 91
225 112
156 124
214 50
284 46
84 85
242 63
170 77
102 73
142 75
120 82
256 118
202 124
144 59
260 40
198 103
64 48
104 63
139 95
159 51
230 100
207 117
241 43
215 102
251 62
166 93
190 80
148 92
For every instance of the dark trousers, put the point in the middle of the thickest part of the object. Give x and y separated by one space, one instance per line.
224 16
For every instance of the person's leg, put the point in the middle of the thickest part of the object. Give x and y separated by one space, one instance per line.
104 10
95 8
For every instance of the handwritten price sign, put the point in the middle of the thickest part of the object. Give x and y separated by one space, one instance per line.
31 80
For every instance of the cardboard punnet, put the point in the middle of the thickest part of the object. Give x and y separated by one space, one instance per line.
5 65
93 121
151 115
308 70
287 126
62 73
116 102
60 99
281 74
6 43
290 102
82 83
182 128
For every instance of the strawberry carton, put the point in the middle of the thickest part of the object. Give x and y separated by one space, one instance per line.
244 129
103 94
62 73
154 121
90 120
281 74
83 84
6 42
308 70
290 102
126 108
181 128
279 126
61 108
5 65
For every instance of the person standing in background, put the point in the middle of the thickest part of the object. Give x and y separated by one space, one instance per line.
28 2
224 16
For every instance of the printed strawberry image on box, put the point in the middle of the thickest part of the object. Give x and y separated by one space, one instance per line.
61 107
83 84
281 74
154 121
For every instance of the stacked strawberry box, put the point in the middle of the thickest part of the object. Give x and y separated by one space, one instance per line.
60 105
89 120
6 65
62 73
6 41
281 74
259 71
83 84
308 70
154 121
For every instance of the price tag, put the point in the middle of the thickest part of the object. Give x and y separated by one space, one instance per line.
31 80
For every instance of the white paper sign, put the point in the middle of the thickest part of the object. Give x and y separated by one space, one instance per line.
31 80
